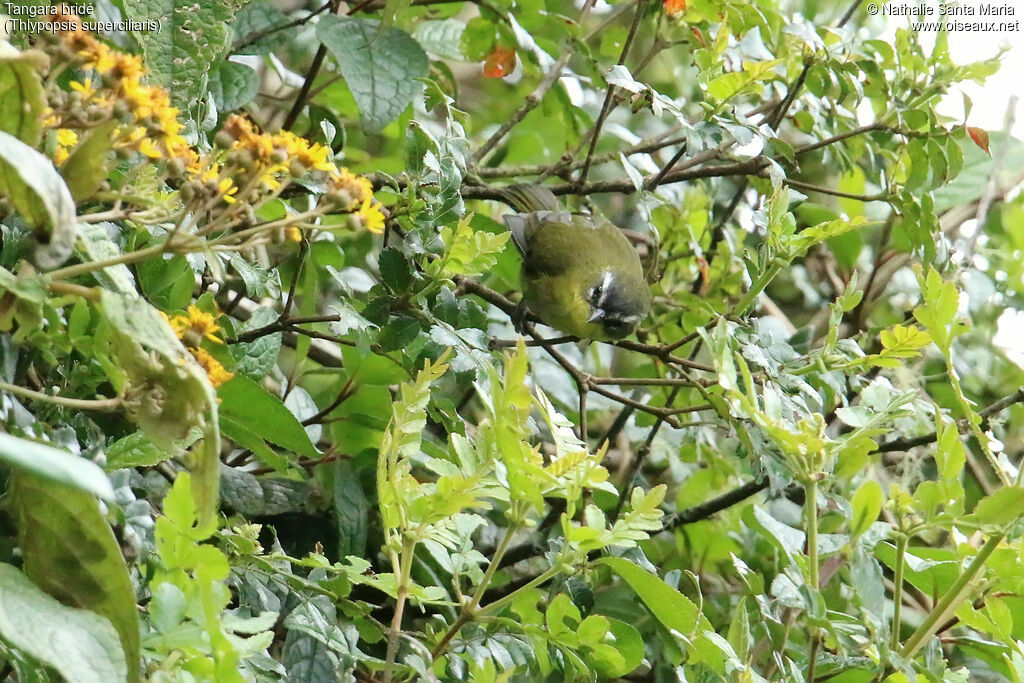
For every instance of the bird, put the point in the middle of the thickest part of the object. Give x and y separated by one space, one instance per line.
579 274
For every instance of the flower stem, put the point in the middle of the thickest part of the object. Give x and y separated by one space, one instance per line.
77 403
811 514
897 591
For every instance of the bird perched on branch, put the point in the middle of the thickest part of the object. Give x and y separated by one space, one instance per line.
580 274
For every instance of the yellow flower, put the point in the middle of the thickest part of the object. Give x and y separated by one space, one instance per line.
67 137
356 187
194 326
227 190
85 87
215 372
293 234
373 219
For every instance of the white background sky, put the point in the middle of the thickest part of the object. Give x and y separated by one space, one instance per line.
990 100
990 103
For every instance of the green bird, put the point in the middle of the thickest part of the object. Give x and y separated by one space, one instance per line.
580 274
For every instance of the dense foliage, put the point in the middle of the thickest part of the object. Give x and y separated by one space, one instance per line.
267 417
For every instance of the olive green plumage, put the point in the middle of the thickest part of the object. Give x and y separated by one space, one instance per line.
580 274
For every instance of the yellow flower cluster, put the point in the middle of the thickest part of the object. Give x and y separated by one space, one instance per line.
153 128
66 139
273 156
192 327
249 165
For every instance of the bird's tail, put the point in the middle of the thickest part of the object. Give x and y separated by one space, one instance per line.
529 198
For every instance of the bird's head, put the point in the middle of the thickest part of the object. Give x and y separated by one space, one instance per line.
616 307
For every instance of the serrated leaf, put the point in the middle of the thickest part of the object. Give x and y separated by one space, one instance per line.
138 450
380 65
256 358
673 609
233 85
1000 508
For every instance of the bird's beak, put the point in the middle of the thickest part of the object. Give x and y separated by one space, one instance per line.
595 316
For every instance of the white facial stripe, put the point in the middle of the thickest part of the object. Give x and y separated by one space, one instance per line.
606 285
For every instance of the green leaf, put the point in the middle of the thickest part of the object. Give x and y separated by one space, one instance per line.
395 271
629 643
866 504
70 552
401 441
245 437
248 404
351 510
259 29
1000 508
441 37
468 251
477 39
192 36
55 465
233 85
137 450
380 65
256 358
80 645
673 609
21 94
96 245
168 391
35 189
87 167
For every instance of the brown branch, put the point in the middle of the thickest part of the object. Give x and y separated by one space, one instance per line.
701 512
809 187
606 107
905 444
281 325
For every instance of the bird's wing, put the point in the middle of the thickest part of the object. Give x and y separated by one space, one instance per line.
524 227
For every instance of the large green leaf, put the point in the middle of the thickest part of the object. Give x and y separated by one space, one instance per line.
71 553
351 510
248 404
80 645
380 65
34 188
21 94
673 609
55 465
192 37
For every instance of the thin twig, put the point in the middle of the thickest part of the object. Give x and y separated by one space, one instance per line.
606 107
